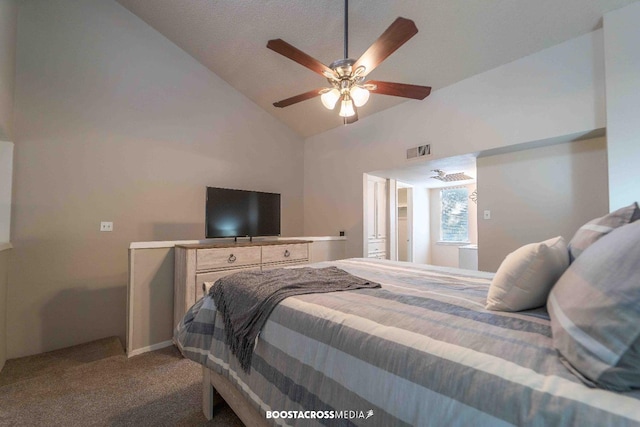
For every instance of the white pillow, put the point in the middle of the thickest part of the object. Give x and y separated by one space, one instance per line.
527 275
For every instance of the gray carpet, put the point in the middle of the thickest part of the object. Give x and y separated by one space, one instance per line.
75 387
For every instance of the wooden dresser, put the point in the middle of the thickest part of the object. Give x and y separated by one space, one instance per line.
198 264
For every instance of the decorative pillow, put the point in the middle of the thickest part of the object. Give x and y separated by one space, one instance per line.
595 229
595 311
525 277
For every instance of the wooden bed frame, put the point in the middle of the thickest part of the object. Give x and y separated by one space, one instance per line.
216 388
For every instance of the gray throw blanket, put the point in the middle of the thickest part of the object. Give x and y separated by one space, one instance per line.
246 299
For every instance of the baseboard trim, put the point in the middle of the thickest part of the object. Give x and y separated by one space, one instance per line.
149 348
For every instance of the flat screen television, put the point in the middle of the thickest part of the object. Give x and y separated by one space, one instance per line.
241 213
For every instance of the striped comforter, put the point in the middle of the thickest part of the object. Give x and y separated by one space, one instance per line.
420 351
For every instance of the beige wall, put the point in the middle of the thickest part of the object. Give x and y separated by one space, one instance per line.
115 123
151 297
538 194
8 22
4 271
553 93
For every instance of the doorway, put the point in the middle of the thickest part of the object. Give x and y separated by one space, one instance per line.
404 222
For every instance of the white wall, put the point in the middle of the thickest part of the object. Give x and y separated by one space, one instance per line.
537 194
8 21
558 91
113 122
622 64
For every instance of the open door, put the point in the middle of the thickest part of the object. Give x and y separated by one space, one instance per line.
404 223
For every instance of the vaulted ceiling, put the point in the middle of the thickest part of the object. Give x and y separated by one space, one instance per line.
456 40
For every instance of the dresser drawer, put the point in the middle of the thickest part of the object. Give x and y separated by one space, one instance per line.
205 280
227 257
377 255
377 247
282 253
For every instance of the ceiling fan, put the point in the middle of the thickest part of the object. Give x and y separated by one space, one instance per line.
347 76
449 177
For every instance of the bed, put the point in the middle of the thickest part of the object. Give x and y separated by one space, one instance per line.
421 350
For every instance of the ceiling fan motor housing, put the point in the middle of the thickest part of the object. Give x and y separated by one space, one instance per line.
345 77
343 67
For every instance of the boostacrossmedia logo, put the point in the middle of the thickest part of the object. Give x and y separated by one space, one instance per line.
341 415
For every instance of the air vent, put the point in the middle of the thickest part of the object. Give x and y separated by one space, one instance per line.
420 151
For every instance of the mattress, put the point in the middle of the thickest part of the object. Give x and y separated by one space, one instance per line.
421 350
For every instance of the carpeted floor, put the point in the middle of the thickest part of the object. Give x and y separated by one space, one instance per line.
78 387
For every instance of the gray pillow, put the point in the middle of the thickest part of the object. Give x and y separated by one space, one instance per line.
595 311
595 229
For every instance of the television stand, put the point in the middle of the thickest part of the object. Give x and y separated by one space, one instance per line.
197 264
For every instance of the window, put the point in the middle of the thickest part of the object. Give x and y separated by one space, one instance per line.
454 217
6 167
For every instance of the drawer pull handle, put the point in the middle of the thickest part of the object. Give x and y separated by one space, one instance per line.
231 259
287 254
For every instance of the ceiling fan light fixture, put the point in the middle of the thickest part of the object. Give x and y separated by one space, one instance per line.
330 98
359 95
346 109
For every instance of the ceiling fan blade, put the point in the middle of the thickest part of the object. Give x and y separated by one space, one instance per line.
395 36
295 54
298 98
400 89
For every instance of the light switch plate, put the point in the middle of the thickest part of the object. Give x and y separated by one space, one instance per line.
487 214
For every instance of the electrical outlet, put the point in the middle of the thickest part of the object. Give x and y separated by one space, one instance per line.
106 226
487 214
